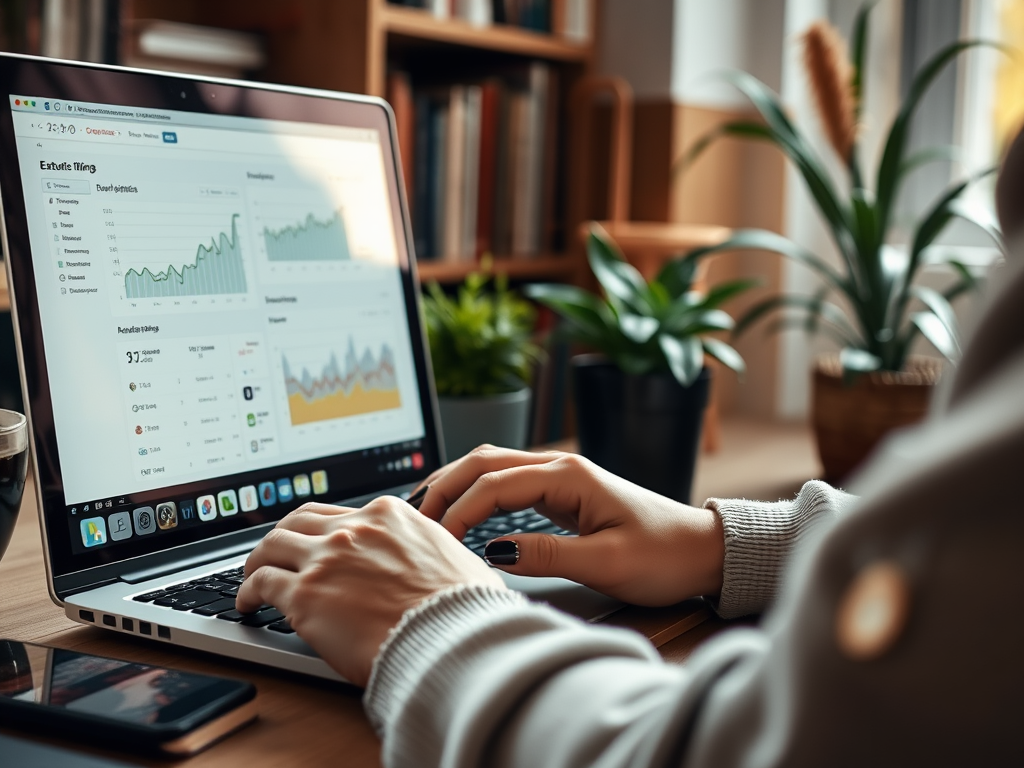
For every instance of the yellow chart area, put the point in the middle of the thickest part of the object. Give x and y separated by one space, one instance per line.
338 405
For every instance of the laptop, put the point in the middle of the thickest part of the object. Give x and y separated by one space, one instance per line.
216 307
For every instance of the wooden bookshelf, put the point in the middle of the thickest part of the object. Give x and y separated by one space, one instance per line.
420 25
517 268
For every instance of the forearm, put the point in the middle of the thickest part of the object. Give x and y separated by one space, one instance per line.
482 677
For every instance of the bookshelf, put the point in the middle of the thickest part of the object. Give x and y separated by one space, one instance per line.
353 46
416 24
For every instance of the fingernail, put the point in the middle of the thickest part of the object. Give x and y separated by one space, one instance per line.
503 552
416 499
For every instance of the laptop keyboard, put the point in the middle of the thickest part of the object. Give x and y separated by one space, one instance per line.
214 595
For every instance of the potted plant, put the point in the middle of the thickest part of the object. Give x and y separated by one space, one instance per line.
640 401
874 384
482 354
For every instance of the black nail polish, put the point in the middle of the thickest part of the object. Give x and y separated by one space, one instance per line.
416 499
504 552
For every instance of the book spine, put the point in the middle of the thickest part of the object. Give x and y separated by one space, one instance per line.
454 174
471 172
441 125
399 95
486 191
422 175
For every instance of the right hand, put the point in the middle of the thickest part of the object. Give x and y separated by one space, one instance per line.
633 544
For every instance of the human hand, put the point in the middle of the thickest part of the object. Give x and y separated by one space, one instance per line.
633 544
344 577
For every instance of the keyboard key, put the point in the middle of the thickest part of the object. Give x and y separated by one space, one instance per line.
262 618
282 626
232 616
230 592
151 596
187 600
218 606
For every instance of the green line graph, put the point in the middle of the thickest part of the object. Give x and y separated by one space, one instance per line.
312 240
218 268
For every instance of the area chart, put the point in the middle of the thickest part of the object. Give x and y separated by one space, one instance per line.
217 269
364 385
312 240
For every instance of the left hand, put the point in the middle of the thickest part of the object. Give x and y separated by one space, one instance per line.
344 577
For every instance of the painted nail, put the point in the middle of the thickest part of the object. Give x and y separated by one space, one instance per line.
504 552
416 499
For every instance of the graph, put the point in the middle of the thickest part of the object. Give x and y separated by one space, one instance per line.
365 384
312 240
217 269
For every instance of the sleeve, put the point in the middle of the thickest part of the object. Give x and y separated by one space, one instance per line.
759 537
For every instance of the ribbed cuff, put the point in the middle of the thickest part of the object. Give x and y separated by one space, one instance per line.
759 537
422 635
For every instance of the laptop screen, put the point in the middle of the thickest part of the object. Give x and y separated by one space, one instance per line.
225 323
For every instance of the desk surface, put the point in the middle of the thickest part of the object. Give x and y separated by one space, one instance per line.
303 721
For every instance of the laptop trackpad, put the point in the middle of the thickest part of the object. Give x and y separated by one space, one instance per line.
565 595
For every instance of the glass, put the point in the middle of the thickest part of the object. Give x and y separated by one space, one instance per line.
13 466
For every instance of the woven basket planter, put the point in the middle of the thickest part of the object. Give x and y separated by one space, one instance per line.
850 420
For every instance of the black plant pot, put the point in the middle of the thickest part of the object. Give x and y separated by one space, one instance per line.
643 428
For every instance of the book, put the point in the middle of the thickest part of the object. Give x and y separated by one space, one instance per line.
470 172
439 166
455 181
399 96
489 134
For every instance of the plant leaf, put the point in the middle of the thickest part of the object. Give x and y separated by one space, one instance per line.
858 360
574 304
933 329
701 321
685 357
857 52
889 176
765 240
724 354
676 277
979 216
721 293
812 304
967 282
939 306
619 278
638 328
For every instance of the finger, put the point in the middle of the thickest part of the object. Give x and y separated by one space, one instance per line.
583 559
513 488
462 474
267 585
313 519
281 548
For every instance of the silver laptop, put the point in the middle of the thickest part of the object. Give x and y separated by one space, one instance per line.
216 305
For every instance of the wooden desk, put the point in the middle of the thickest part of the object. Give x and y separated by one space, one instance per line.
303 721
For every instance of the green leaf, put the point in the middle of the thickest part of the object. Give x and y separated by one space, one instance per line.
619 278
933 329
857 53
724 354
939 306
638 328
889 168
981 217
812 304
702 321
858 360
676 277
967 281
721 293
926 156
765 240
574 304
685 357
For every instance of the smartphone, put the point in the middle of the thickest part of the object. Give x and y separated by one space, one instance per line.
118 704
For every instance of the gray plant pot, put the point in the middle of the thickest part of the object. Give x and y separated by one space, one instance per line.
467 422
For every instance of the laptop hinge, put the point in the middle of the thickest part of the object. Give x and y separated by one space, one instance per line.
134 577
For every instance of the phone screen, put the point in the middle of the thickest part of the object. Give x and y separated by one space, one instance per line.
120 690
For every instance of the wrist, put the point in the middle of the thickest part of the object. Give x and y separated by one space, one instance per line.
710 551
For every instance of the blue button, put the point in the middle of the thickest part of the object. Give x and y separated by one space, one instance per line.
170 137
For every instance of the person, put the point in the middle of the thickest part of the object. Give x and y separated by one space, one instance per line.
892 634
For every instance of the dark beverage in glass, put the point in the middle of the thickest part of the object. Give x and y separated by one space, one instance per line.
13 466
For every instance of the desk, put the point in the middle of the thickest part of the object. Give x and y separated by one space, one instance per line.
303 721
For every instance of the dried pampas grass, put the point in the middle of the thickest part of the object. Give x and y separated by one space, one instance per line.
831 77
